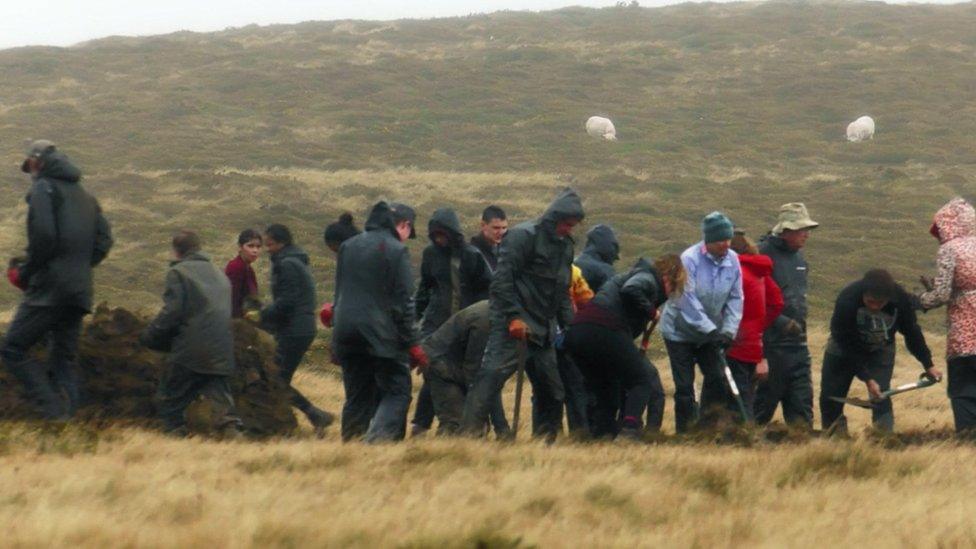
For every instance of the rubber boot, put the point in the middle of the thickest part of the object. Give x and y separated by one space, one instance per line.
35 379
320 420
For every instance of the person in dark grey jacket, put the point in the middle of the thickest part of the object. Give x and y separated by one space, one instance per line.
373 334
453 275
291 315
529 298
600 253
67 236
194 328
785 342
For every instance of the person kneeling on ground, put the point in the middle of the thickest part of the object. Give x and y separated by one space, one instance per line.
194 327
601 341
862 344
291 315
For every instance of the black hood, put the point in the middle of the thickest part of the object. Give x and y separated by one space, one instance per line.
446 220
566 205
644 265
602 241
58 166
380 218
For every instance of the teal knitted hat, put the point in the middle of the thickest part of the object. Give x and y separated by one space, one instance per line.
716 227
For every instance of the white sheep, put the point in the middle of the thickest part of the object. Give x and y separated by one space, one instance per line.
597 126
861 129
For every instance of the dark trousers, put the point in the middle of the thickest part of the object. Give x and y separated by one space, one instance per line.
577 399
962 393
289 352
500 362
836 379
378 385
788 384
55 388
618 375
743 373
179 387
447 400
684 357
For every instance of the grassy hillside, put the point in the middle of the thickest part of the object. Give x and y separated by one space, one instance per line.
736 106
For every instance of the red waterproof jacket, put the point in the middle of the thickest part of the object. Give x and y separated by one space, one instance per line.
763 303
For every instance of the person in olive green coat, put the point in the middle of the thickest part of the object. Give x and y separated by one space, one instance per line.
194 328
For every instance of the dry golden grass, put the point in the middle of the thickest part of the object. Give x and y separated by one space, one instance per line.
129 487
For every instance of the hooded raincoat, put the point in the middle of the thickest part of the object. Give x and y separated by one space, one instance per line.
763 304
599 255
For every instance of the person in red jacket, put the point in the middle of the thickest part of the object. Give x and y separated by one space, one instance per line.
763 304
243 281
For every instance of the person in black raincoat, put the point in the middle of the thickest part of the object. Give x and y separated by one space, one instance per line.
194 328
453 275
529 298
67 236
373 335
601 341
600 253
291 315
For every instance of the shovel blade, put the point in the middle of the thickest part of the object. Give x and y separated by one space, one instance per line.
859 402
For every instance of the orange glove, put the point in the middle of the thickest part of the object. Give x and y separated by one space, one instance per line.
517 329
418 358
325 315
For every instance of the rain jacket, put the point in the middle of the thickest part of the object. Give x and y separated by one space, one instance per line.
533 276
67 235
627 301
456 348
194 326
292 310
857 332
790 274
955 283
451 278
488 250
763 303
712 299
373 307
599 255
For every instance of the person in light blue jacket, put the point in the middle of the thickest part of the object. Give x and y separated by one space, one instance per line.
698 327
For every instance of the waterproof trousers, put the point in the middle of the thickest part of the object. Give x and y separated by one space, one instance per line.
53 387
962 393
180 386
500 362
377 398
684 356
789 384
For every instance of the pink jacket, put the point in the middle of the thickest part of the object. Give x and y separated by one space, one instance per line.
955 283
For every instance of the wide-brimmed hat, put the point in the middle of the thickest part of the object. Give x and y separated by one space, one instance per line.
794 216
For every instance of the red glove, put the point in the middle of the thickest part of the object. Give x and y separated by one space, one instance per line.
517 329
418 358
13 275
325 315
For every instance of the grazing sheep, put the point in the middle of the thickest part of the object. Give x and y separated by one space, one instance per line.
861 129
600 127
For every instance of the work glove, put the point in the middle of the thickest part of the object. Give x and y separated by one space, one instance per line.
253 316
793 328
719 339
325 315
418 358
517 329
13 275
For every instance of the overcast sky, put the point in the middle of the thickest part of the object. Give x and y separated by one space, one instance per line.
66 22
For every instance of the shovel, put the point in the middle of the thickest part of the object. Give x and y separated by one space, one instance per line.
922 383
519 382
733 387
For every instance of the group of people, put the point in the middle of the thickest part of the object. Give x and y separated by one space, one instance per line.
502 301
